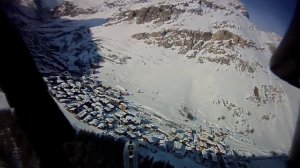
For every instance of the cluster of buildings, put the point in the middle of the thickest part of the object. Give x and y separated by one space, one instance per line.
104 107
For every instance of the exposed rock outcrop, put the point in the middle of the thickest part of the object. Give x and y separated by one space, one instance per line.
221 44
184 39
70 9
212 5
267 94
227 35
241 8
153 13
194 40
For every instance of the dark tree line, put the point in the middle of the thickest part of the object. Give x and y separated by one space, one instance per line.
89 151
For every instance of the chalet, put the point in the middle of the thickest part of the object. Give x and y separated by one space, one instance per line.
180 136
141 142
205 129
209 142
110 106
85 107
221 149
138 133
70 82
204 155
154 126
124 121
94 113
94 122
162 145
171 138
72 96
218 133
93 104
129 118
100 116
81 114
102 126
110 120
203 138
208 135
190 152
148 138
117 95
72 110
189 130
96 99
203 144
179 149
159 136
172 131
107 109
118 114
58 95
59 81
115 101
88 118
147 126
131 127
110 125
161 131
104 100
100 89
98 104
131 135
120 131
99 108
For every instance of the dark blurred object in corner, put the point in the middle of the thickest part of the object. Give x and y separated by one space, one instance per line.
285 63
15 150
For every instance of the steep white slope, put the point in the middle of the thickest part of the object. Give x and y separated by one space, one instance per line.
163 81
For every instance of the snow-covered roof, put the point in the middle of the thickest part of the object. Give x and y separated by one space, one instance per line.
110 105
101 125
204 154
221 149
120 130
178 145
107 109
110 120
94 122
131 135
87 118
82 114
132 127
202 144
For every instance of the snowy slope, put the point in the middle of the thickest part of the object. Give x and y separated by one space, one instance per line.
222 77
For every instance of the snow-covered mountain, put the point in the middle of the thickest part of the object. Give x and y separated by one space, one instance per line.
188 61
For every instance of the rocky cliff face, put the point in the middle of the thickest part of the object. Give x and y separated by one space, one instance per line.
68 8
147 14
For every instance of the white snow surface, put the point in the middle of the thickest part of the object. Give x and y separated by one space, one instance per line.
161 80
